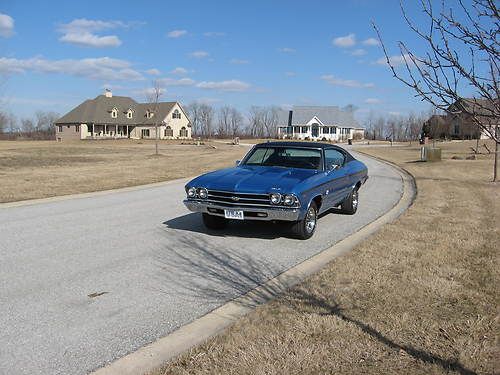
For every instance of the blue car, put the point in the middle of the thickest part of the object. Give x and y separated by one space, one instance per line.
280 181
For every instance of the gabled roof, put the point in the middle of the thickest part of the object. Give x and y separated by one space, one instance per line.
98 111
328 115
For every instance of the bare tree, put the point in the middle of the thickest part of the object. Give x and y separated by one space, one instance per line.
441 76
153 98
4 121
206 114
256 123
224 121
27 125
194 116
235 122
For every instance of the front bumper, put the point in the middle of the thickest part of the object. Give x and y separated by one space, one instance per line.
249 213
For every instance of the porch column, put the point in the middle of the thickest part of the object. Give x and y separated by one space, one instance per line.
127 132
93 130
116 130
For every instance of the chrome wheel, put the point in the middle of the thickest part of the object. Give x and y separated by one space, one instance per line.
355 199
310 220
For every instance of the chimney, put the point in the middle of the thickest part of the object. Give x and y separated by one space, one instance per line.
108 93
290 115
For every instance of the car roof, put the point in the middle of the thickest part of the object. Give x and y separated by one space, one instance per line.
299 144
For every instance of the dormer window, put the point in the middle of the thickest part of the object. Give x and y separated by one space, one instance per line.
176 114
114 113
130 113
150 114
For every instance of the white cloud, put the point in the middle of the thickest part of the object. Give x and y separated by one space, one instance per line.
395 60
102 68
371 42
290 74
208 100
214 34
149 92
358 52
176 33
176 82
6 25
179 70
372 101
91 40
345 82
345 41
287 50
394 113
153 72
82 32
199 54
230 85
239 61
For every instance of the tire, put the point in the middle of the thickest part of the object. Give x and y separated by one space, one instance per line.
214 222
305 228
350 205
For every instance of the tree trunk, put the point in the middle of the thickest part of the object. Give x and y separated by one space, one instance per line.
495 165
156 140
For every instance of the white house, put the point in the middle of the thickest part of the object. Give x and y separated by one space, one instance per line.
328 123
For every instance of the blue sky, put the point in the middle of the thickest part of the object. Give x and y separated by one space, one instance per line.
57 54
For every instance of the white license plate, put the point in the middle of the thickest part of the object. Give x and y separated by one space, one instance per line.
233 214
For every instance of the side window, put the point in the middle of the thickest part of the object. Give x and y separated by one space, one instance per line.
333 157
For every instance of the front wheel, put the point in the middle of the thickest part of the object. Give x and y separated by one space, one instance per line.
305 228
350 204
214 222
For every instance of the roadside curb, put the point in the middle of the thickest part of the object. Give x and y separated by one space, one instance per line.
61 198
156 354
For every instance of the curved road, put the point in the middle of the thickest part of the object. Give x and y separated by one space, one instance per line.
85 281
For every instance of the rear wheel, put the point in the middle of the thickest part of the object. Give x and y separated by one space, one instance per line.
350 204
305 228
214 222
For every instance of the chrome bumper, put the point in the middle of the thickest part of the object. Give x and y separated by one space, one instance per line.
249 213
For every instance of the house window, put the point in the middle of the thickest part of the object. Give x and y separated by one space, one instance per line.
129 113
169 132
145 133
176 114
457 129
333 130
59 128
77 128
304 129
326 130
114 113
296 129
150 114
183 132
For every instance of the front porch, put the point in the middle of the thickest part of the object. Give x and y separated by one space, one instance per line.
313 132
108 131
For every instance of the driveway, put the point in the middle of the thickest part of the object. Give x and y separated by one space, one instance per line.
87 280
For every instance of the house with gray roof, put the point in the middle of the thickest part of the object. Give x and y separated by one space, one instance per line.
115 117
327 123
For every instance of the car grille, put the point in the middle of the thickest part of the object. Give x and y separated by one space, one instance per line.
230 199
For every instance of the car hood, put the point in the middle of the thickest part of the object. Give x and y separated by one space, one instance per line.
254 179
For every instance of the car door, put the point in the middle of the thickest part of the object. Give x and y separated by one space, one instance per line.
338 177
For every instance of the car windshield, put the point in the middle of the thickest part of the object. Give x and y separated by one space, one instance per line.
286 157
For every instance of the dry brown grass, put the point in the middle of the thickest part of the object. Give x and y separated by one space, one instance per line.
419 297
39 169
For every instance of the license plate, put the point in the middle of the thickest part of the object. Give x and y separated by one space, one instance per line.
233 214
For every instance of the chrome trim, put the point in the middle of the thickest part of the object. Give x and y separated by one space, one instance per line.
273 213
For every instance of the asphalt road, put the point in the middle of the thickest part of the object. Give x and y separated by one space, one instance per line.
87 280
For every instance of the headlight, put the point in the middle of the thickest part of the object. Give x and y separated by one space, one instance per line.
289 200
275 198
191 193
203 193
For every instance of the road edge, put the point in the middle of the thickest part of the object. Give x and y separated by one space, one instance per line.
156 354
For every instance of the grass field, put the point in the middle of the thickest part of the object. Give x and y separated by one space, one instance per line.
39 169
419 297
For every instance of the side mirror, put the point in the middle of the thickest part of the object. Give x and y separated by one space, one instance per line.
237 162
